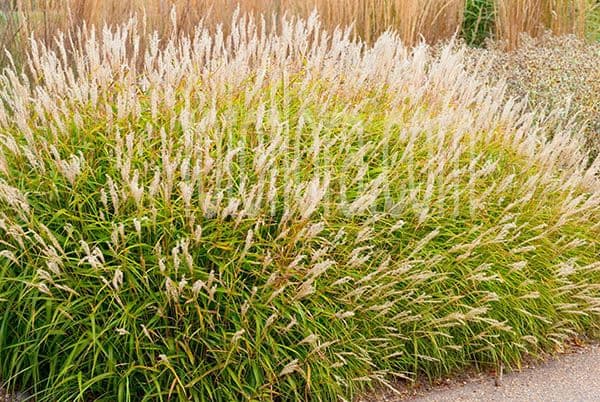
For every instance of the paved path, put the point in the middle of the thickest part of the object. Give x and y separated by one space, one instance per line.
573 377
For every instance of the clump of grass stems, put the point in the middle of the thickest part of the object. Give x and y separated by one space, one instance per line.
283 214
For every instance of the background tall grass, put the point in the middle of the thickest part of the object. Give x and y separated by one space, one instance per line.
514 17
414 20
431 19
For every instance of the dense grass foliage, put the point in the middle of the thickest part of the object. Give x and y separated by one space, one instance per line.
289 216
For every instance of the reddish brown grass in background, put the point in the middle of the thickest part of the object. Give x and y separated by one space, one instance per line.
414 20
533 17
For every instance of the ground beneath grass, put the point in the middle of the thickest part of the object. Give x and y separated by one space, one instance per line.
6 397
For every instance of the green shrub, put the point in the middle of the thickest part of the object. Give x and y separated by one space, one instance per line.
287 216
593 22
478 22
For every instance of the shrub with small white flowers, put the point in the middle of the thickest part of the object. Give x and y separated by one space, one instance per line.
558 74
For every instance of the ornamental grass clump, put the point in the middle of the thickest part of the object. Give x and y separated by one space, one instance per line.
282 214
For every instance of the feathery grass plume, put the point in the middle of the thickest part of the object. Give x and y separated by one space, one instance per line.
251 215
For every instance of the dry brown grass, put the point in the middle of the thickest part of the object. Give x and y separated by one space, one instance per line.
534 17
415 20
